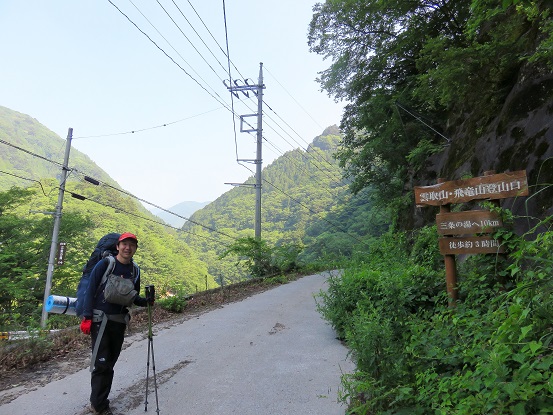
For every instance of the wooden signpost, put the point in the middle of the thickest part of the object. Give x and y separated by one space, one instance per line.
458 229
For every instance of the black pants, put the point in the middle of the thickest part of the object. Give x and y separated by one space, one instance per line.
108 353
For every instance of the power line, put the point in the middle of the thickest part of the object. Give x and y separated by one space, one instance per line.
217 98
309 155
186 37
313 212
169 56
418 117
97 182
291 96
81 197
230 81
299 166
231 109
31 153
149 128
172 47
25 178
213 37
288 125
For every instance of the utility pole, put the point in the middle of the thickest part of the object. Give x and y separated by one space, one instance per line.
258 91
259 160
55 231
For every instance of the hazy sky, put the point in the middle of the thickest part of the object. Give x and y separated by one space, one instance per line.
83 64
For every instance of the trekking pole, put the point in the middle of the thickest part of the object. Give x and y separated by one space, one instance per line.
150 295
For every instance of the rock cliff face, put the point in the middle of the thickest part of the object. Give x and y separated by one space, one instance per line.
519 138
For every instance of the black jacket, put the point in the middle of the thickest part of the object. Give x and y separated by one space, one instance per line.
94 297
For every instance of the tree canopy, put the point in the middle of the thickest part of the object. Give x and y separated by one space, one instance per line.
413 71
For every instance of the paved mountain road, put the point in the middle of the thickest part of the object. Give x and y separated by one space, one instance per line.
269 354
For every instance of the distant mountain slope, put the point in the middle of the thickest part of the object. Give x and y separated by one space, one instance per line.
166 261
305 201
21 130
185 209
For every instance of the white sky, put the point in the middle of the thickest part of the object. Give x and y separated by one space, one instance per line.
82 64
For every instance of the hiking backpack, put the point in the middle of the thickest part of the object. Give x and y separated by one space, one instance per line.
107 246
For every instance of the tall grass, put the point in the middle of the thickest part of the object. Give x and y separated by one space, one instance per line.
490 354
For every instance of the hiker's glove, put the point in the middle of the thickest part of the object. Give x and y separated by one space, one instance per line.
85 325
141 301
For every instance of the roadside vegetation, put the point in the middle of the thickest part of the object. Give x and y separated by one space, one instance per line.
489 353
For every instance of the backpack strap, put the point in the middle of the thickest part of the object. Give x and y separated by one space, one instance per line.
136 270
109 269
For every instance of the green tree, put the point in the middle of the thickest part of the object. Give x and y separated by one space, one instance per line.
24 251
393 61
262 260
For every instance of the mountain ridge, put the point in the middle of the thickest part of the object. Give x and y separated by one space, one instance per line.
186 209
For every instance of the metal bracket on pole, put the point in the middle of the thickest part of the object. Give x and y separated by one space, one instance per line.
251 130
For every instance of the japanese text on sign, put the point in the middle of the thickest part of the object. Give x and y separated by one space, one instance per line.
463 223
495 186
470 245
468 225
485 190
61 253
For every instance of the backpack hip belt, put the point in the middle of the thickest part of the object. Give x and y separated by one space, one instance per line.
99 316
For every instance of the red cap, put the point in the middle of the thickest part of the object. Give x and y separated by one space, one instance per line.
128 235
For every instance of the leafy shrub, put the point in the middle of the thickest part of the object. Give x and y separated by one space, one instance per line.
262 260
175 303
490 354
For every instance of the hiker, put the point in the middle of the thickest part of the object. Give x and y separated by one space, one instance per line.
105 315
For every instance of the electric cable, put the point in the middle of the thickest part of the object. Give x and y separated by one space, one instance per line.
330 174
82 198
313 212
189 41
169 56
288 125
25 178
418 117
230 83
300 167
31 153
217 98
97 182
291 96
94 181
213 37
172 47
232 110
149 128
309 209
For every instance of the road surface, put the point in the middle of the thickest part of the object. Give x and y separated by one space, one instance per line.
269 354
